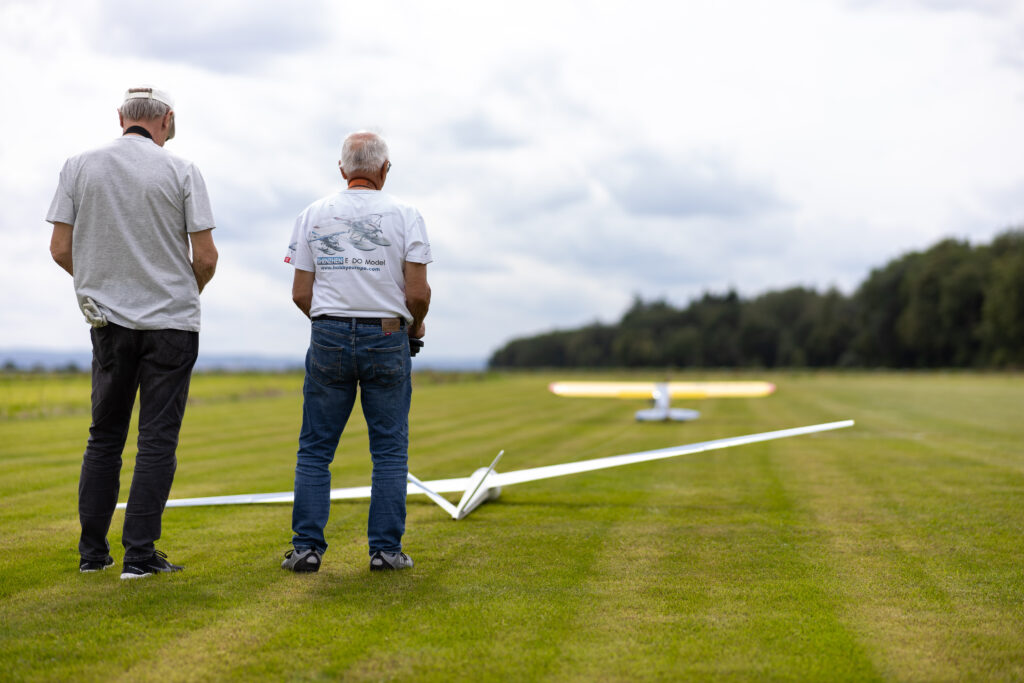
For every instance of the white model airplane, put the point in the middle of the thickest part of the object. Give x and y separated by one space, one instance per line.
662 393
485 484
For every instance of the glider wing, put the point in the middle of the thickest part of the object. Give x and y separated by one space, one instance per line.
474 493
551 471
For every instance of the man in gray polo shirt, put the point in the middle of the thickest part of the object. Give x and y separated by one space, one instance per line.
124 217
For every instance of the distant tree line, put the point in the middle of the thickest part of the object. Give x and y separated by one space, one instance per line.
954 305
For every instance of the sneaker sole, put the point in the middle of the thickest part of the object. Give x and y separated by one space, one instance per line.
93 571
388 568
129 575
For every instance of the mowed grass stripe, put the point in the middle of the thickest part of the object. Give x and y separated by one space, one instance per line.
884 551
897 533
41 437
446 627
900 579
497 418
496 423
662 570
138 617
345 597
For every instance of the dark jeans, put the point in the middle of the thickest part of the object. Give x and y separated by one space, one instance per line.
342 357
158 365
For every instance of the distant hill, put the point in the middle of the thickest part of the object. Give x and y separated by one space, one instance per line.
29 360
51 360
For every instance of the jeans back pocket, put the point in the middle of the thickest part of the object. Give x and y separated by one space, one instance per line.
388 364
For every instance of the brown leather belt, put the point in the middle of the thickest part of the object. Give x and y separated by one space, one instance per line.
386 324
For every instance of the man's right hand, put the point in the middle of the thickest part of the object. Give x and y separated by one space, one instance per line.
93 315
414 346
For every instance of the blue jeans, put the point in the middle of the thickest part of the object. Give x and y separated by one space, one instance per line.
156 364
343 356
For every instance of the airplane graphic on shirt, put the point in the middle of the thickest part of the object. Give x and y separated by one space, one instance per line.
363 233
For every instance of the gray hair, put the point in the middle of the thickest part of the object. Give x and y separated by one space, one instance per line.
363 152
143 109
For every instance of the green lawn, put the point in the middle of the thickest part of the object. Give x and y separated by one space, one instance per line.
890 551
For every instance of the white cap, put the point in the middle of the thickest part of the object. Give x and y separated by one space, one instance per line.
146 92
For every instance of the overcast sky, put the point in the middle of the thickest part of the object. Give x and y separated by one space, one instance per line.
566 156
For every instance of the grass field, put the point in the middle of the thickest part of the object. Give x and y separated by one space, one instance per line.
890 551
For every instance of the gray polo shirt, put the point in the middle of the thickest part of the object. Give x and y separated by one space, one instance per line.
132 205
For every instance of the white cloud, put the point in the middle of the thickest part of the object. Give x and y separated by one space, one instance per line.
227 35
566 156
646 183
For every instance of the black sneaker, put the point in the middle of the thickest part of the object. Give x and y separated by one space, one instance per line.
302 561
157 564
382 560
88 566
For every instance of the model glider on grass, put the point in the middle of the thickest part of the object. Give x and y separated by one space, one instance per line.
662 393
485 484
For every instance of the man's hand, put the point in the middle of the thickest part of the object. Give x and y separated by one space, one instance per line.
93 315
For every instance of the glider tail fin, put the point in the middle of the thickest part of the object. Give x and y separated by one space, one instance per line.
476 493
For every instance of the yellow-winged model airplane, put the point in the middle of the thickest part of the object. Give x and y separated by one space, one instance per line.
662 393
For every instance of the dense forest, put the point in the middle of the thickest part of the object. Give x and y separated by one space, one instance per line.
952 306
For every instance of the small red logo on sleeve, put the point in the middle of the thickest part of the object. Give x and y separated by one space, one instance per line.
287 259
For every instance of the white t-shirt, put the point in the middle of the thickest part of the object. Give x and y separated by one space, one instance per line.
132 204
357 242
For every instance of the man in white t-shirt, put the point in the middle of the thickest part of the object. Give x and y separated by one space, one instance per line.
124 218
360 259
